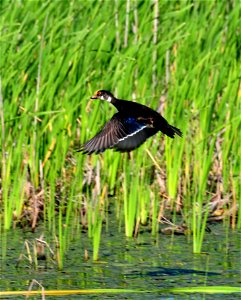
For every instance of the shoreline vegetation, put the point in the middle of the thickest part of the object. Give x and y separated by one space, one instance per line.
179 58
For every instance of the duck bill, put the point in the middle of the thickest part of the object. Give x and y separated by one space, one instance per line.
93 97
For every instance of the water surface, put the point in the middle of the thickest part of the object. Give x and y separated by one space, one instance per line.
143 263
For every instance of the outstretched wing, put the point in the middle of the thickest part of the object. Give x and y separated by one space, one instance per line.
118 133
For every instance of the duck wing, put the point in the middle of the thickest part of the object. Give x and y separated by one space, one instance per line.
114 134
134 141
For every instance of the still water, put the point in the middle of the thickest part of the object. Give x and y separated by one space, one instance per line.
145 263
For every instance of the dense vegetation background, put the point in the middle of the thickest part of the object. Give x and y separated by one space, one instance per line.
179 57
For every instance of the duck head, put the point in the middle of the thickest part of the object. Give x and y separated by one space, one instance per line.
103 95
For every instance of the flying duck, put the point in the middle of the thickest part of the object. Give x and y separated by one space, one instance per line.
129 128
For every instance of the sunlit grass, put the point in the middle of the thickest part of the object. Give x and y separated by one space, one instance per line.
215 290
54 55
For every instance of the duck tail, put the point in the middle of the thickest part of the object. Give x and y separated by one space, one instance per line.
171 131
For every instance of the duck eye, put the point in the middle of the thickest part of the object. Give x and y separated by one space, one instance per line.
98 93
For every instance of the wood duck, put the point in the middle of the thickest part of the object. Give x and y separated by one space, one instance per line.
130 127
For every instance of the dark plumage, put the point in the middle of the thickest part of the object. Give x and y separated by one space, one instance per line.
130 127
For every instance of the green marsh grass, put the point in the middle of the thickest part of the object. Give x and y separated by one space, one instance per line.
181 58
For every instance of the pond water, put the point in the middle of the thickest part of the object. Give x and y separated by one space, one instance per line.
143 263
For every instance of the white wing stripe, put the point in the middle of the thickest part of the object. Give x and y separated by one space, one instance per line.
133 133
